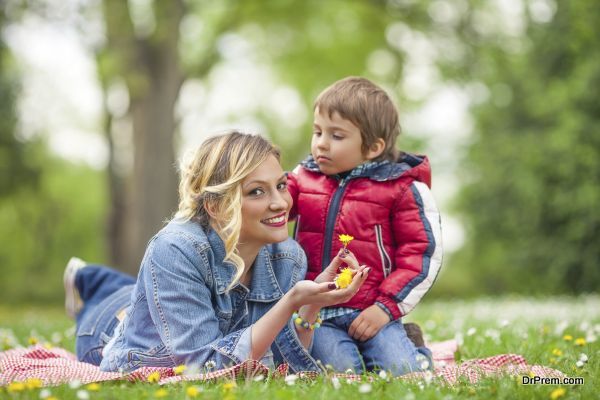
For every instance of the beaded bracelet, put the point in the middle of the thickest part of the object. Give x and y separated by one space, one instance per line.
305 324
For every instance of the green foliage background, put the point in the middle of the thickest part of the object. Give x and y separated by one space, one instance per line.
50 209
532 173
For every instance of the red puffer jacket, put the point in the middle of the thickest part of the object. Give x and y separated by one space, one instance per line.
390 211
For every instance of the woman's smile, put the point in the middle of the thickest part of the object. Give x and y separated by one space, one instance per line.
277 221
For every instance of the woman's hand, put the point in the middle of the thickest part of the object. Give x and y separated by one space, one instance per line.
343 256
324 294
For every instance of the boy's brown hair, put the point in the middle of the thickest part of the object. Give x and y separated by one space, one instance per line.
368 107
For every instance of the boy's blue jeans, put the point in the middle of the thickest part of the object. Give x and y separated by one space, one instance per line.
104 292
390 349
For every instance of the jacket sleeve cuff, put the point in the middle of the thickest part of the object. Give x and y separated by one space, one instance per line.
292 352
236 348
389 306
237 345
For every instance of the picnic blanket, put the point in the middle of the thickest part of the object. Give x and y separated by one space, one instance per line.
55 366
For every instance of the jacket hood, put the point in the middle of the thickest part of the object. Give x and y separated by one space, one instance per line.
409 165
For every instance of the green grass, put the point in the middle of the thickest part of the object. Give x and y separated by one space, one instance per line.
534 328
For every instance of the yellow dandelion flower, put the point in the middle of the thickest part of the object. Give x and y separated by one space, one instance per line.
531 374
345 239
557 352
32 340
52 398
160 393
33 383
580 341
344 279
154 377
557 393
15 387
48 345
567 338
180 369
229 385
192 391
93 387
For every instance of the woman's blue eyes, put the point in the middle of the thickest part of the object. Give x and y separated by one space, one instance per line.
258 191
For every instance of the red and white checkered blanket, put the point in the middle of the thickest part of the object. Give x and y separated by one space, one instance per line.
57 366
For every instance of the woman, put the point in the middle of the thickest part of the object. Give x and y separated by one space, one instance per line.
219 283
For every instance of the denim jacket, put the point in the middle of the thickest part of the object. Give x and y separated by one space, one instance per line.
180 312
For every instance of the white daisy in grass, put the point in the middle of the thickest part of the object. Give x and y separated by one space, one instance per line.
471 331
590 337
83 394
291 379
75 384
458 336
336 383
493 334
365 388
56 337
560 327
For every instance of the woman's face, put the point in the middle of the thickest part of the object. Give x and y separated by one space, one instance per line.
266 203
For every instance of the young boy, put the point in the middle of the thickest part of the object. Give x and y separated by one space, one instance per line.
355 182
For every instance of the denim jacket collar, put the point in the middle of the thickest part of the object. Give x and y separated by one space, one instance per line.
263 287
374 170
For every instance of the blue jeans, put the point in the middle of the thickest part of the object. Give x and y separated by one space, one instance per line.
390 349
105 292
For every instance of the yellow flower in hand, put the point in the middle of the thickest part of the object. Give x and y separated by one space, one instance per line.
345 239
344 279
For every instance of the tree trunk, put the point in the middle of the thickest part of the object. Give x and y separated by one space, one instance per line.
152 198
151 70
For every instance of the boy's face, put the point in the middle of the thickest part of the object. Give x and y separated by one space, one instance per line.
336 143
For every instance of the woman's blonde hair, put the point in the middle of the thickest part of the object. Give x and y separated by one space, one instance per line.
210 189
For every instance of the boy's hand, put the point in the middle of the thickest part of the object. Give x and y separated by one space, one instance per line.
368 323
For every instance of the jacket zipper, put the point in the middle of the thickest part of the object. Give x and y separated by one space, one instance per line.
330 223
386 263
296 227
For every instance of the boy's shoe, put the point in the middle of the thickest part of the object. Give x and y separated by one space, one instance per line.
415 334
73 303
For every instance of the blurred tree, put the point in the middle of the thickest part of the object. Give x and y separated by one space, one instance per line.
15 171
533 170
46 214
147 61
